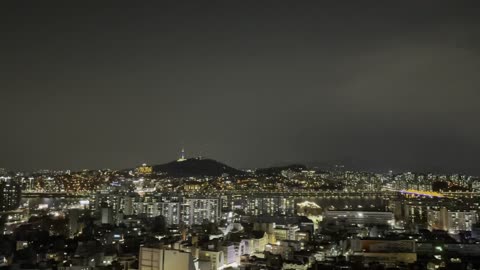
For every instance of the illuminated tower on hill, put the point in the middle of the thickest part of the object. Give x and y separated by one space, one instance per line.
182 155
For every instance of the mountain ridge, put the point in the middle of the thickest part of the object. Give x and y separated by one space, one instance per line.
196 167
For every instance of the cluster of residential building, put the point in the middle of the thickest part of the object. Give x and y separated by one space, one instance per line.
136 221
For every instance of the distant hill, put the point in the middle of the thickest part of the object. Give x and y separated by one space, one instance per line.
278 170
196 167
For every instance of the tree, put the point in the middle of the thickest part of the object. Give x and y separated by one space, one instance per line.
159 225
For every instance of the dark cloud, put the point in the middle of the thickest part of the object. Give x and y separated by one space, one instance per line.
249 83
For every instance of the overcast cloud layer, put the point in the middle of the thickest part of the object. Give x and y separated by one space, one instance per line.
248 83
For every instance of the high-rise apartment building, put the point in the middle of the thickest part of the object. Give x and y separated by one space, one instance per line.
10 194
453 221
201 209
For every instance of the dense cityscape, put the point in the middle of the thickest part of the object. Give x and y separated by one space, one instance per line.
198 213
240 135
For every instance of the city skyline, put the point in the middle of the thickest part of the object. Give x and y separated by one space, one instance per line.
343 165
240 135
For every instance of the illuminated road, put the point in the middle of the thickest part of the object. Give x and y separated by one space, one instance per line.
52 195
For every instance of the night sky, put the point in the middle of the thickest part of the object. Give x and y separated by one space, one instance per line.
249 83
